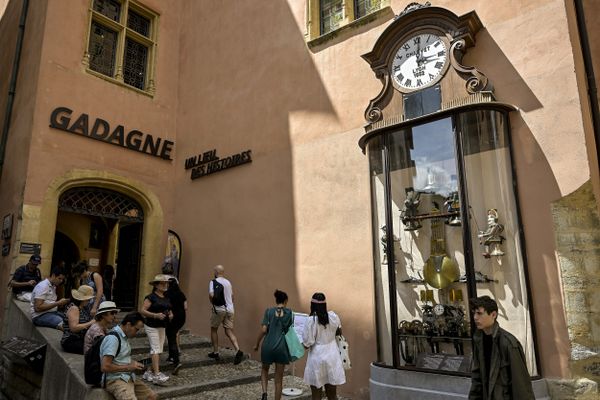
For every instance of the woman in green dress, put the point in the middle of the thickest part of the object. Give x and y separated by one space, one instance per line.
275 323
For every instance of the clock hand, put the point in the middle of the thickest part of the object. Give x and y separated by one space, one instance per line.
430 58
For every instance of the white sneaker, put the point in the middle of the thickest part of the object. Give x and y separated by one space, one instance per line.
148 376
160 378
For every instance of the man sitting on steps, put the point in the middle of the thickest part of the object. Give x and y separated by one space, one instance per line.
220 295
118 367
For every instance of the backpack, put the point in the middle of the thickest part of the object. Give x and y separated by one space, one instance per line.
93 363
218 298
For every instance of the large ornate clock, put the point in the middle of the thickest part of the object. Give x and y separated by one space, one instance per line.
419 61
423 48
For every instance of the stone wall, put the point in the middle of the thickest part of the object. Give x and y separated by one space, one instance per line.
62 378
18 381
577 234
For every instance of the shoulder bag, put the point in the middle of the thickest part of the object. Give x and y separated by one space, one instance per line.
293 343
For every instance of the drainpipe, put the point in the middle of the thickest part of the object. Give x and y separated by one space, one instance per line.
13 85
589 72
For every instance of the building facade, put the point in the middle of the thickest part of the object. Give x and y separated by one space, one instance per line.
399 157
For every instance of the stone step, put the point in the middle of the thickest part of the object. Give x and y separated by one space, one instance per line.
142 332
193 357
140 344
247 391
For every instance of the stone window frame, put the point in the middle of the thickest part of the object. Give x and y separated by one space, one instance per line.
123 33
349 19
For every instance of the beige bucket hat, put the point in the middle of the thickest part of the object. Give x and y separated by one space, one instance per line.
84 292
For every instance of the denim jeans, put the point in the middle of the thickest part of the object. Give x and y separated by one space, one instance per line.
51 319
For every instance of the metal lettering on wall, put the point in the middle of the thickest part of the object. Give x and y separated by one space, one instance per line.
208 162
101 130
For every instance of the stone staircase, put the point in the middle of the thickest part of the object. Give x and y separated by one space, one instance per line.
200 377
204 378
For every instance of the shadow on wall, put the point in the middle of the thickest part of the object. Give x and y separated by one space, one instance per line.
509 86
244 68
537 189
9 23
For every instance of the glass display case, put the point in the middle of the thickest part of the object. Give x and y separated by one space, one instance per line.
446 229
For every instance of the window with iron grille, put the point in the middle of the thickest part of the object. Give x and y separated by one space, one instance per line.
101 203
332 14
325 16
122 43
365 7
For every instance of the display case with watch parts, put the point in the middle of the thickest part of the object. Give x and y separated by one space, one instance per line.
436 211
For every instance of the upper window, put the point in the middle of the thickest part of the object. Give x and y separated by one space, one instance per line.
328 15
332 14
122 43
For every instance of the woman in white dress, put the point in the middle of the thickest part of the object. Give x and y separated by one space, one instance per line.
324 364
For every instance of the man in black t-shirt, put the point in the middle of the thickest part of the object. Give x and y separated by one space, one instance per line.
25 278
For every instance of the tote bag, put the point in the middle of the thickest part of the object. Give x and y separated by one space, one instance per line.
342 344
293 343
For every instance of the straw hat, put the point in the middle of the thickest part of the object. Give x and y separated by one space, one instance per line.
107 306
160 278
83 293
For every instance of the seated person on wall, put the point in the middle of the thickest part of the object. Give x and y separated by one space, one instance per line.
44 303
77 320
105 320
25 278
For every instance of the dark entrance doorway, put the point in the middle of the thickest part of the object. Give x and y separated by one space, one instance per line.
107 226
65 252
128 266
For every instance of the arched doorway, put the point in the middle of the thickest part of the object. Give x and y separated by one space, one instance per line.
107 227
65 253
64 250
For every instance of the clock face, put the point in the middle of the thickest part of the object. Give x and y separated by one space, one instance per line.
419 61
438 309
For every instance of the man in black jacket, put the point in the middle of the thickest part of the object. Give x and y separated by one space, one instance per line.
499 371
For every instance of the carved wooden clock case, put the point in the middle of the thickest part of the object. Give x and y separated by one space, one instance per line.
422 48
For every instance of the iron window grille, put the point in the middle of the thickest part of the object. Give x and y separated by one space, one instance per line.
101 203
365 7
122 43
332 14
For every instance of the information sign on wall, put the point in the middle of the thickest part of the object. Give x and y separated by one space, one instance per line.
30 248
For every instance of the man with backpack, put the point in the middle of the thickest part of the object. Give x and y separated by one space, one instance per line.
116 364
220 295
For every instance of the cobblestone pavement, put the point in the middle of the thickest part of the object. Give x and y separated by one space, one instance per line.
204 378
